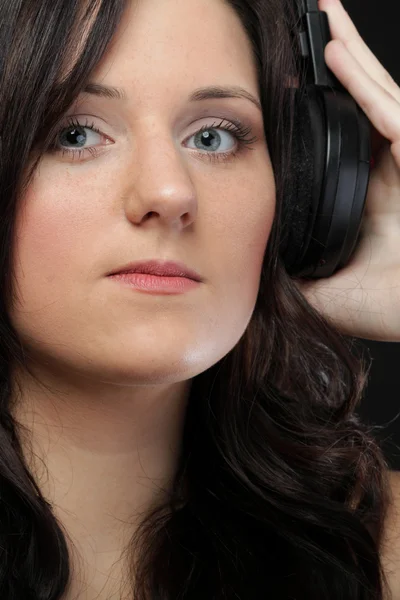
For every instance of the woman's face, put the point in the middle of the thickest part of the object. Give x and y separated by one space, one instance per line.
156 189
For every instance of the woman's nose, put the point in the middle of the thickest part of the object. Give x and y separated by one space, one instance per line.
160 186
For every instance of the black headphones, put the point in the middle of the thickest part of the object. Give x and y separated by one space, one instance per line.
331 160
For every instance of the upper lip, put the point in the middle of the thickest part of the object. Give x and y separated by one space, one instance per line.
158 267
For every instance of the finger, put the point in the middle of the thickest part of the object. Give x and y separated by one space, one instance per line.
396 151
343 28
381 108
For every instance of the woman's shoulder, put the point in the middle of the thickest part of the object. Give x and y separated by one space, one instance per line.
390 550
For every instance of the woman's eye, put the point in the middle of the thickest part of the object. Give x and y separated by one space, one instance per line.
79 137
74 139
211 139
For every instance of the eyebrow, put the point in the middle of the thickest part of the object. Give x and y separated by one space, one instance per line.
206 93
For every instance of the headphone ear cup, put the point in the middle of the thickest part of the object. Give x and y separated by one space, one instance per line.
305 171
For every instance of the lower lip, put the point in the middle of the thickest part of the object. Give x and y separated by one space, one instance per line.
153 284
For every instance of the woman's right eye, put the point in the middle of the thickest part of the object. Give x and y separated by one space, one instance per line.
74 133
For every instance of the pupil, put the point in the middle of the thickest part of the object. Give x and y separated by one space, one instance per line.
75 136
208 139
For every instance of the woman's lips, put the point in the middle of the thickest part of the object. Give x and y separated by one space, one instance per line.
159 268
155 284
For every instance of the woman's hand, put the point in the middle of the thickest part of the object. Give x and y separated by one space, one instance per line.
363 298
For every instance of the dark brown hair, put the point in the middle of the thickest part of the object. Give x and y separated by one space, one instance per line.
281 490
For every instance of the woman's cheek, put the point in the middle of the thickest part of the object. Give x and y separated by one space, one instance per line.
251 223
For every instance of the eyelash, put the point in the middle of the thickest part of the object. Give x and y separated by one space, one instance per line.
235 127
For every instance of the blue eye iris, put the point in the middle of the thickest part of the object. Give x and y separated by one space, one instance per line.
74 135
210 140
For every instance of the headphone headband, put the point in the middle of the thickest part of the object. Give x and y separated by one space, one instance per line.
314 35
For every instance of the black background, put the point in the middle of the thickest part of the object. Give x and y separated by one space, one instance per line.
378 23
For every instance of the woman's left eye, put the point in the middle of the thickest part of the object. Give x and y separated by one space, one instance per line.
208 140
212 138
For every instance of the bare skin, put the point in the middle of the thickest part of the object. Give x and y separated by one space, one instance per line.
390 551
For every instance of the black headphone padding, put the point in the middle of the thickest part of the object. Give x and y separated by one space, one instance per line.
298 188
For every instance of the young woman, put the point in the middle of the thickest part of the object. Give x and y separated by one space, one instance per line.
193 437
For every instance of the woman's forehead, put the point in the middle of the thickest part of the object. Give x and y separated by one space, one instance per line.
174 38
